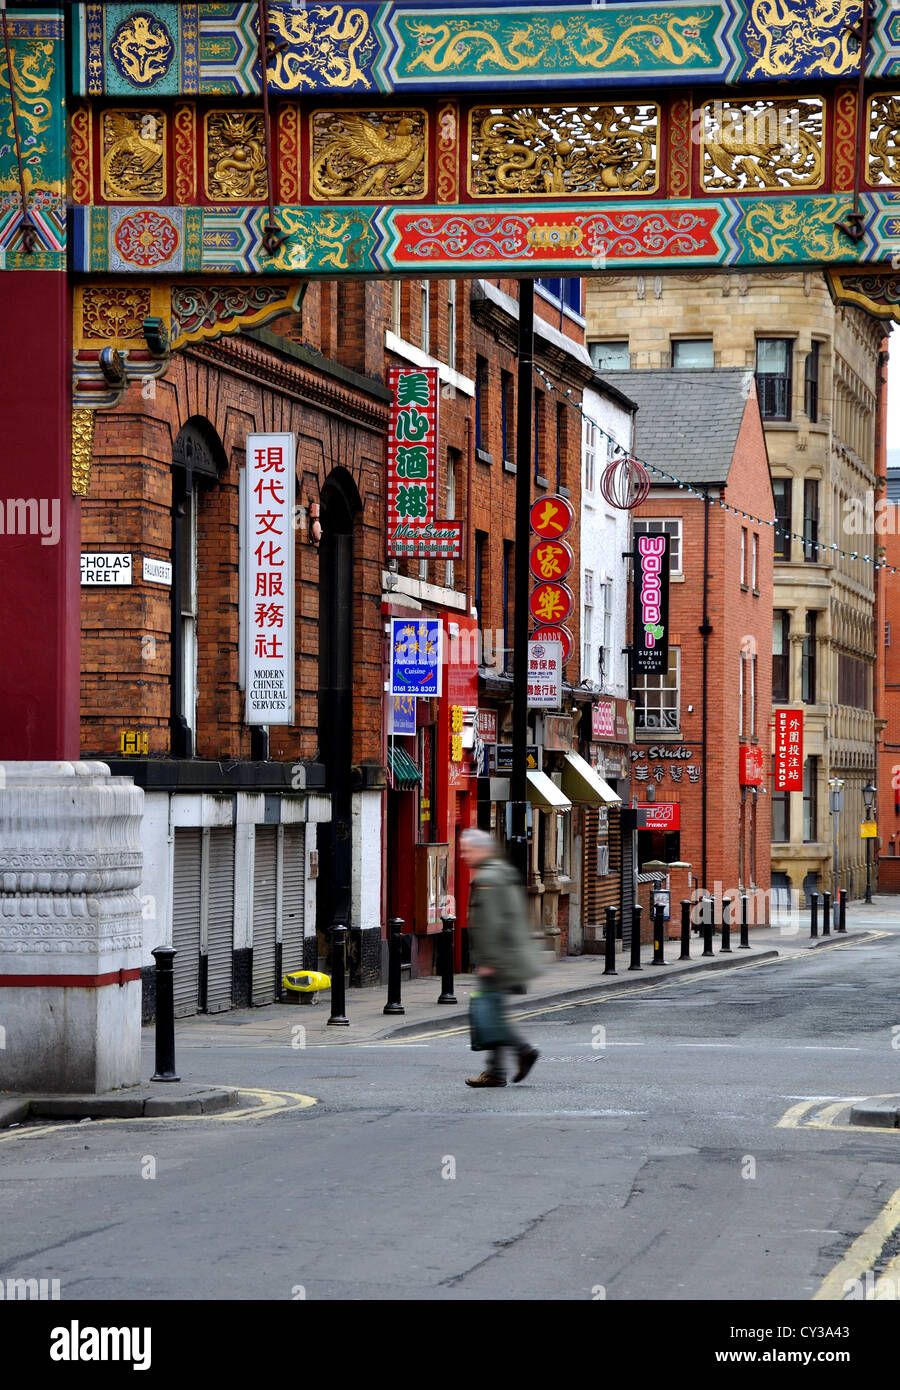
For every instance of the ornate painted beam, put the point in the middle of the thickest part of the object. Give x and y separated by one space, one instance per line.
353 49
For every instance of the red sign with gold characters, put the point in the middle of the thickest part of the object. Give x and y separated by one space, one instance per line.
554 632
412 469
551 518
551 603
789 750
550 560
752 765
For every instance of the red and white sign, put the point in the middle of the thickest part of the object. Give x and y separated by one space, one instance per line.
551 518
662 815
603 721
789 750
752 765
486 724
412 452
554 632
267 552
545 673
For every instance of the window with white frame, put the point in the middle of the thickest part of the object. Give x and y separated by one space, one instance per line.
451 323
587 625
655 526
754 560
610 357
606 634
658 698
590 456
743 555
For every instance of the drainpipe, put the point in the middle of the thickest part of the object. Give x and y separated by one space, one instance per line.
470 533
705 629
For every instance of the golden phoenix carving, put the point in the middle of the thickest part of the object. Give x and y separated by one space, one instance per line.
361 154
552 151
763 143
132 156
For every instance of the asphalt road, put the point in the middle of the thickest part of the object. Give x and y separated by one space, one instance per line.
641 1159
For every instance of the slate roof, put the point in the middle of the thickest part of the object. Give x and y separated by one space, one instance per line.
688 419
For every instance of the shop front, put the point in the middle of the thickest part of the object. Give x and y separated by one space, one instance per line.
606 847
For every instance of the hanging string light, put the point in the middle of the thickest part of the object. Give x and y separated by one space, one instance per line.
809 545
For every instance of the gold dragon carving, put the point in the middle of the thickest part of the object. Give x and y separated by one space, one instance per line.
443 47
815 41
550 151
235 156
884 138
309 47
368 154
132 156
775 228
763 144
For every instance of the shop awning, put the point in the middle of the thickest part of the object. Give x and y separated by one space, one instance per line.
583 785
404 773
545 794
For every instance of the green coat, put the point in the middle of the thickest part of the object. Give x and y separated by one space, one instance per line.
498 923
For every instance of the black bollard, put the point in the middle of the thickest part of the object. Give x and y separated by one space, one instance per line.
685 929
708 906
636 937
165 1014
338 1017
659 928
725 948
395 951
826 914
745 925
842 910
446 995
610 942
813 914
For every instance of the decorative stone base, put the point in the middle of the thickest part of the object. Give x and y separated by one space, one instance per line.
70 928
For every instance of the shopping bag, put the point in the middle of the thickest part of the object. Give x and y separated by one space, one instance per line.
487 1021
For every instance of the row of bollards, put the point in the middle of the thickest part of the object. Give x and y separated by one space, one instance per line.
840 911
705 909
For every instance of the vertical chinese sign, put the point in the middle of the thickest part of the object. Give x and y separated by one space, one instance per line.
550 560
412 461
267 552
789 750
650 637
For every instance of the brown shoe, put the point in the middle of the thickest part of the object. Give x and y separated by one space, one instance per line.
527 1060
487 1078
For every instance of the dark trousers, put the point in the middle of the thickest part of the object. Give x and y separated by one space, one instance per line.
515 1041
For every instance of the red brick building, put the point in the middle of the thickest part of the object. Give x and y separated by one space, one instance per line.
255 842
696 726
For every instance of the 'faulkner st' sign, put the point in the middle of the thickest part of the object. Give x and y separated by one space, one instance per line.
651 605
267 557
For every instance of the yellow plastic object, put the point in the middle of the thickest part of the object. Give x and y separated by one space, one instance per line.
306 981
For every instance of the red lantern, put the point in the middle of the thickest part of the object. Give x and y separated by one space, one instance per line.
625 483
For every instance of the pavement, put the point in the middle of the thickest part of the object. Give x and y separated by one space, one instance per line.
569 978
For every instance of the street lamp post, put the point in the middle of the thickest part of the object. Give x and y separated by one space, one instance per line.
836 785
870 792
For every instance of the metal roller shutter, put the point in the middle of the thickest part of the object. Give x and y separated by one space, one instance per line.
293 895
186 921
220 920
264 914
627 885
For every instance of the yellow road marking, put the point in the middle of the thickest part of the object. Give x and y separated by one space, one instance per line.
812 1115
616 995
272 1103
862 1254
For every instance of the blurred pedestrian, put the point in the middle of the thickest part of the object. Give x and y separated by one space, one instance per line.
504 952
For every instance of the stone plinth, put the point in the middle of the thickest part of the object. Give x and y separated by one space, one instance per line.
70 927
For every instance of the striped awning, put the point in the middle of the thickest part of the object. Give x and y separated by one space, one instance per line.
404 773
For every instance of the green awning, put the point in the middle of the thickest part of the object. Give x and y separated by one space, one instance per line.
404 773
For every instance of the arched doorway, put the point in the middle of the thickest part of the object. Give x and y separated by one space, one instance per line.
340 504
